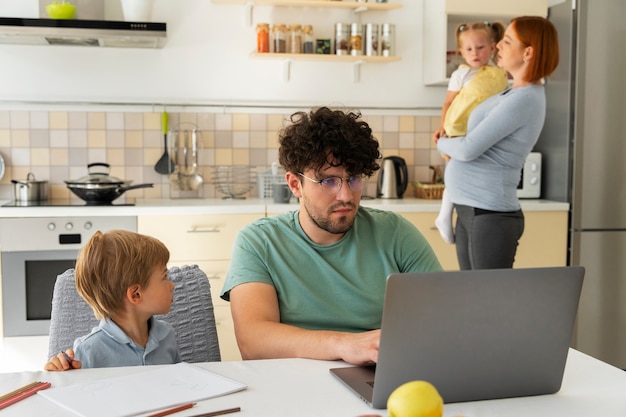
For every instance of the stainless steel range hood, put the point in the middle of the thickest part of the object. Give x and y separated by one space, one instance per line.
99 33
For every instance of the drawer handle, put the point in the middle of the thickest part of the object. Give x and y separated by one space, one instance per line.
204 229
214 276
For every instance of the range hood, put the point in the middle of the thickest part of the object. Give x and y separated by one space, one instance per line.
99 33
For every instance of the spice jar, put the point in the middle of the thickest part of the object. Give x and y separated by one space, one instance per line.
279 41
356 39
388 40
371 39
308 40
342 39
263 37
294 46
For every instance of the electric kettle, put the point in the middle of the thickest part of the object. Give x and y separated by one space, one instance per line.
393 178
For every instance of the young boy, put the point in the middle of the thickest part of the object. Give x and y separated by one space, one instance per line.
123 276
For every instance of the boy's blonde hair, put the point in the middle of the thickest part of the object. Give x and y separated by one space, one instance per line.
111 262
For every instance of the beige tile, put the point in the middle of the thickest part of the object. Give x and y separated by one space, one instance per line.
152 121
272 140
58 120
5 138
406 124
241 122
40 157
241 157
133 139
391 123
59 157
223 157
96 120
5 120
19 120
423 124
20 139
223 122
406 140
96 138
39 120
375 122
133 121
275 122
115 157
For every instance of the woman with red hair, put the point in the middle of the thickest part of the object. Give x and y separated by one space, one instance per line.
484 171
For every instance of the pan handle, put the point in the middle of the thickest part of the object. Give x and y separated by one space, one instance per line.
132 187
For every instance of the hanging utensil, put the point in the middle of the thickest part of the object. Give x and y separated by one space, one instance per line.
165 165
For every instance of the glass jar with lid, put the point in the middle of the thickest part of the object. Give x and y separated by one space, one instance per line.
263 37
294 45
342 39
388 39
356 39
279 38
308 41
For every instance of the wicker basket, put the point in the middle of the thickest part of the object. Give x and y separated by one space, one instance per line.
428 191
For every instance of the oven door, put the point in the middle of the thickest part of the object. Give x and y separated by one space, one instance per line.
27 285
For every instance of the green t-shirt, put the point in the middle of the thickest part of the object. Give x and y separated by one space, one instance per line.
333 287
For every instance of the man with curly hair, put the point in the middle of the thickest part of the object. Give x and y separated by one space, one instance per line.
311 283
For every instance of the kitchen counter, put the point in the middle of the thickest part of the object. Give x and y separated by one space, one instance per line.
221 206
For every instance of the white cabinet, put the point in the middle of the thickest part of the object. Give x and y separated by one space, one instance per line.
441 17
543 244
204 240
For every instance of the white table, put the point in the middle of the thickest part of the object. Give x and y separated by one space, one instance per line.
302 388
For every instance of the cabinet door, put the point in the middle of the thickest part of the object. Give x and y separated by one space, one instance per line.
425 223
544 242
196 237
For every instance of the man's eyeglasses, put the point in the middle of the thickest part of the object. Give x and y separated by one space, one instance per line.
332 185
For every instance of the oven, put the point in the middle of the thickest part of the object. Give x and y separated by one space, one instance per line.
34 251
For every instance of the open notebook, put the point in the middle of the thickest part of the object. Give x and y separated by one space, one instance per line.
143 391
474 335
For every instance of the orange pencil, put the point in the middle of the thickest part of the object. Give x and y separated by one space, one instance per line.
172 410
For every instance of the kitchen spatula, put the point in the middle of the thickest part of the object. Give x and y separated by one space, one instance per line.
165 165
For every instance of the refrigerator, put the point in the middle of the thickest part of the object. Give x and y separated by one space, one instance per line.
584 149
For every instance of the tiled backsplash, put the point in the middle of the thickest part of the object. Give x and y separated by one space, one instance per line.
58 145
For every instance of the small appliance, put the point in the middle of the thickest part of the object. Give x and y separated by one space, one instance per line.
393 178
530 180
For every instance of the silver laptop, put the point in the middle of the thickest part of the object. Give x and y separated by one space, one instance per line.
475 335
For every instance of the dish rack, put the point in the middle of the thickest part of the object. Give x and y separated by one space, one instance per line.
267 179
233 180
431 190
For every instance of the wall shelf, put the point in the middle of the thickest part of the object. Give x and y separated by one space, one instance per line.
356 60
354 5
327 57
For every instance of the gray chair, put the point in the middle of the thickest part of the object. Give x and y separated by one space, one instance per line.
191 315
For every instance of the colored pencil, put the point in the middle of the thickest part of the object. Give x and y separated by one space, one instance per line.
219 413
172 410
17 391
24 394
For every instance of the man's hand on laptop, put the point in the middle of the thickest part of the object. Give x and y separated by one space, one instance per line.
360 348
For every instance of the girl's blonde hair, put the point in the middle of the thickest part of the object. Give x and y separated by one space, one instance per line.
112 262
493 30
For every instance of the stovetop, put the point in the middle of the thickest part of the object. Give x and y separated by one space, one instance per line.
63 203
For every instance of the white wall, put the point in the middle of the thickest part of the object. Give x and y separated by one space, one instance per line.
206 61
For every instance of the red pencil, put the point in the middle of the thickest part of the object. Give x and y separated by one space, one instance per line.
172 410
24 394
